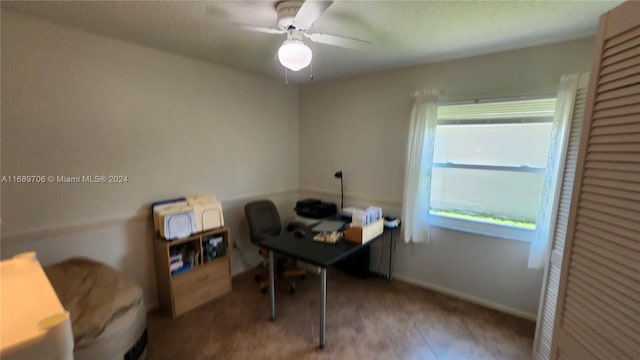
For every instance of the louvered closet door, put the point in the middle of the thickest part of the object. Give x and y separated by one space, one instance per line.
544 327
598 313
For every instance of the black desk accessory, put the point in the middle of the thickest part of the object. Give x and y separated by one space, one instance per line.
337 175
315 208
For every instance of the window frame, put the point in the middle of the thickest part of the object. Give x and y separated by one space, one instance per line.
482 227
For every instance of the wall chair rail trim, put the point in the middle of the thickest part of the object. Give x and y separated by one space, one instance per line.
352 196
48 232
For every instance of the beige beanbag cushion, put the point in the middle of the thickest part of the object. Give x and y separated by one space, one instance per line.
96 295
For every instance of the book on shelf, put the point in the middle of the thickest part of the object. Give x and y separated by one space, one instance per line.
176 265
184 268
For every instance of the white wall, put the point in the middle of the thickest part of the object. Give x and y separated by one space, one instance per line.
360 125
76 103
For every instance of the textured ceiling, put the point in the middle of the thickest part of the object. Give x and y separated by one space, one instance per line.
402 33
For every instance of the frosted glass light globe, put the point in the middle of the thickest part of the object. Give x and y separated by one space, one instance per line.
294 55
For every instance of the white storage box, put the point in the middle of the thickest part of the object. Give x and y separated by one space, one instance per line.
363 234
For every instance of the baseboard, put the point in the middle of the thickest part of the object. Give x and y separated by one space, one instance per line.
466 297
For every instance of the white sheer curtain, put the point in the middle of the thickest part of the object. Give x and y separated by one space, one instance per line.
550 195
417 175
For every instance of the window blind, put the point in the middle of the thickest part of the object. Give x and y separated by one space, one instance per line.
519 109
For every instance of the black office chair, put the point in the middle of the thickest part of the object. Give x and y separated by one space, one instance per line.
264 222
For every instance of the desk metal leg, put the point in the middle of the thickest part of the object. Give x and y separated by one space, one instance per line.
272 295
323 305
391 248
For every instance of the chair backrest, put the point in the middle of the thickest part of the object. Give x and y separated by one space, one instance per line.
263 219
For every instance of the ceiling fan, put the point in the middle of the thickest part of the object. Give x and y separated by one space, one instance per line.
295 18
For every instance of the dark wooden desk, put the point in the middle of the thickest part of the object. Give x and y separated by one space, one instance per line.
317 253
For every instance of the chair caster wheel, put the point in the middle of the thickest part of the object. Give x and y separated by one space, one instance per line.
304 277
292 289
257 278
263 290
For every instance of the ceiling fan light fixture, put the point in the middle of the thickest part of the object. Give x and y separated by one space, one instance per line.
294 55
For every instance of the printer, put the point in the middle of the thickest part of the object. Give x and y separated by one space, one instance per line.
315 208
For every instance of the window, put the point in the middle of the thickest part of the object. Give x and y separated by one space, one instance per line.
488 166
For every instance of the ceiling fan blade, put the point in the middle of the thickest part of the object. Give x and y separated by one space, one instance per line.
310 12
335 40
260 29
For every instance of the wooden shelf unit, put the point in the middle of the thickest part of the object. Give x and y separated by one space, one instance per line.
205 281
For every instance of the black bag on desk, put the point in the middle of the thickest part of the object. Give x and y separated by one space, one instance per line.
315 209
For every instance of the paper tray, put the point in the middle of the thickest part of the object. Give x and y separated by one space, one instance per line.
364 234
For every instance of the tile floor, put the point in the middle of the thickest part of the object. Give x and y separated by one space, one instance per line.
366 319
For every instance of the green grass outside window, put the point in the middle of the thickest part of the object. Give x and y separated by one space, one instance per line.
484 217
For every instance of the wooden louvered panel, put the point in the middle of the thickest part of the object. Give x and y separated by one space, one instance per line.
618 295
591 340
613 316
598 314
615 148
544 329
561 232
620 42
618 58
615 156
598 321
624 217
623 92
603 165
618 66
604 231
570 162
626 209
620 235
612 319
621 74
618 203
630 127
612 175
634 108
610 249
546 326
618 120
596 211
616 139
612 184
563 356
602 277
626 273
623 299
617 102
611 191
603 188
620 83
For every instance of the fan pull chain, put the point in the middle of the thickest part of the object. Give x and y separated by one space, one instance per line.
311 70
286 77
